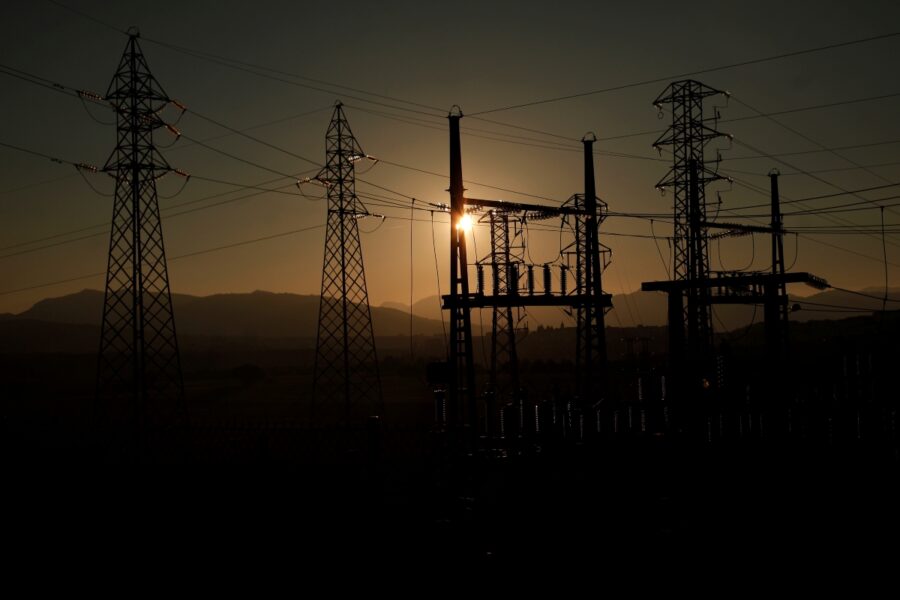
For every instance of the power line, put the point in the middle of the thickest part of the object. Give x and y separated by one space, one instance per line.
811 239
862 232
72 91
52 283
825 196
225 62
78 93
818 171
54 159
804 152
750 117
232 64
847 250
839 169
828 227
40 81
761 115
245 186
486 226
229 183
181 256
470 181
808 139
825 212
437 274
210 56
88 17
828 305
250 137
816 177
845 208
54 236
248 242
542 144
53 245
474 131
202 143
835 310
260 191
266 72
34 184
863 294
691 73
234 157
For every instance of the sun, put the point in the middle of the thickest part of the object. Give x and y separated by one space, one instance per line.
465 223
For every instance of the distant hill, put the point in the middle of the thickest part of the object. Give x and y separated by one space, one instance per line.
70 324
257 314
648 309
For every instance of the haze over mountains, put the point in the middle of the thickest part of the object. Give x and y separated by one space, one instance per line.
70 323
257 314
649 309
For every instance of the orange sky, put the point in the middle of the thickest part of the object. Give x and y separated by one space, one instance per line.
475 56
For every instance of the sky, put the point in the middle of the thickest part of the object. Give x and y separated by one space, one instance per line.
479 56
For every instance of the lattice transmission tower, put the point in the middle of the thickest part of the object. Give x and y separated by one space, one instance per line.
346 369
690 133
139 380
504 265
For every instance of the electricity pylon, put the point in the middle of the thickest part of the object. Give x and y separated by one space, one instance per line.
139 379
346 369
505 273
691 131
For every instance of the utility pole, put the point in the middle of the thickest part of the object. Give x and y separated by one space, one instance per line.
462 369
590 353
776 305
139 379
347 381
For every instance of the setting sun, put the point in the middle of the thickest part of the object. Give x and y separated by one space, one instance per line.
465 223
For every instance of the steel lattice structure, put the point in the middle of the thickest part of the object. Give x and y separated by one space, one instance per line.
346 368
688 137
505 273
139 376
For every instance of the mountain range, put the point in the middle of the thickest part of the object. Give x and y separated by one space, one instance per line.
70 323
648 309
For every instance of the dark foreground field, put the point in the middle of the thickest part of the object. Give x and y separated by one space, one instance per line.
261 486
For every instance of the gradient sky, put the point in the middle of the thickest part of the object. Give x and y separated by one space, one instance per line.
477 55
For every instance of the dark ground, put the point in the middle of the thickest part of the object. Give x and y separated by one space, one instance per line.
265 489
